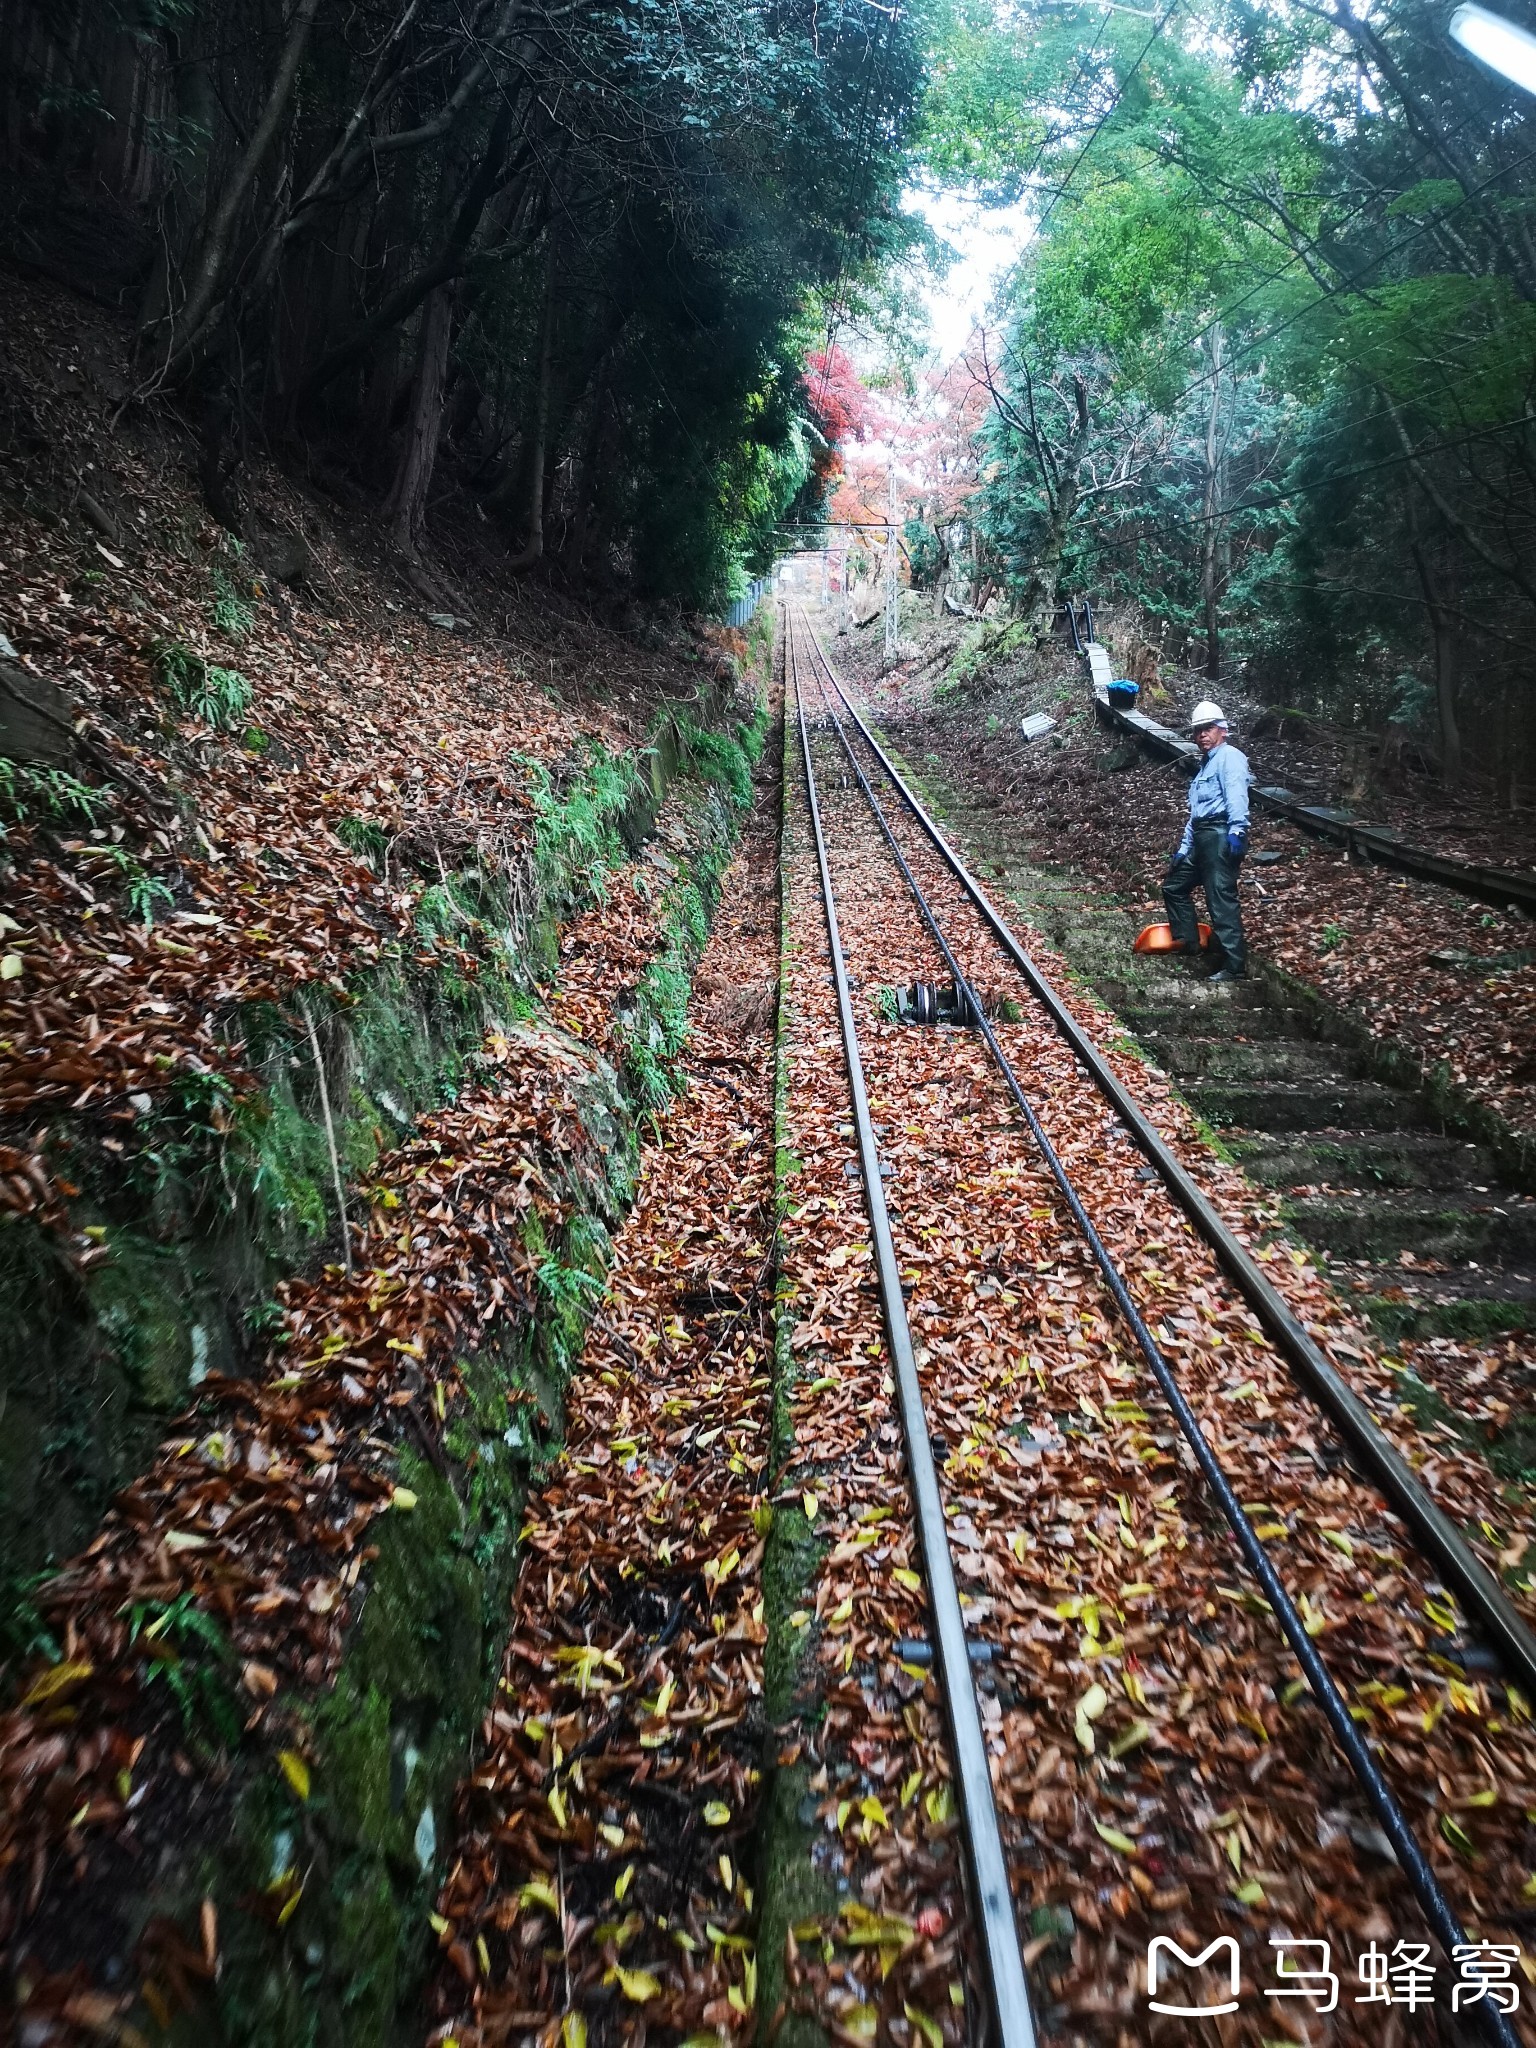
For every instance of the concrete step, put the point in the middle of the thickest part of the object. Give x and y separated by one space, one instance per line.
1366 1159
1378 1226
1475 1303
1342 1107
1299 1060
1155 992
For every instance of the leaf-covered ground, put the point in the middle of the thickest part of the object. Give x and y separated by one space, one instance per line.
268 796
1157 1764
603 1885
1366 938
281 828
230 1567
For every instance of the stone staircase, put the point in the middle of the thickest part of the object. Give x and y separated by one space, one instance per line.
1365 1173
1412 1217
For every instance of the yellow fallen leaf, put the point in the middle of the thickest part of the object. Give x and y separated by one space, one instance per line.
539 1892
1134 1736
907 1578
928 2027
871 1810
58 1678
1339 1541
613 1836
636 1984
809 1502
717 1814
1115 1839
1457 1836
1089 1708
1443 1615
862 2021
1250 1894
295 1770
12 967
573 2031
402 1498
557 1807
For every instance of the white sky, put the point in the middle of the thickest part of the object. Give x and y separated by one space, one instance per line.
988 241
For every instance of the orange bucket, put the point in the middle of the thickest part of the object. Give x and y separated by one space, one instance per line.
1158 938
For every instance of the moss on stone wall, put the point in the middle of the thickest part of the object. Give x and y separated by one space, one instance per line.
789 1889
324 1901
212 1200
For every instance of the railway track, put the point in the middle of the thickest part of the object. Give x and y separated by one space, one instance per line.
1327 1597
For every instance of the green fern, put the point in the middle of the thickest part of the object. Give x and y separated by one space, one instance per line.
221 697
28 792
178 1640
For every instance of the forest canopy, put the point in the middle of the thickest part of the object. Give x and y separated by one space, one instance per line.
1266 365
565 258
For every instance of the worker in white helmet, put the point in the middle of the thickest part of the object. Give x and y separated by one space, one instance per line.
1211 851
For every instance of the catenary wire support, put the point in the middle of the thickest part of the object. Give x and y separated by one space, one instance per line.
1003 1960
1493 1613
1436 1907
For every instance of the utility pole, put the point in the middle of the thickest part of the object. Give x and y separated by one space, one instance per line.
892 587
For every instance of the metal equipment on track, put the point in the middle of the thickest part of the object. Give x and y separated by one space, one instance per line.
1438 1540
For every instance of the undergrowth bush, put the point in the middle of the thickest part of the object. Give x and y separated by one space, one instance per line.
363 836
232 612
576 837
29 792
219 696
717 757
146 893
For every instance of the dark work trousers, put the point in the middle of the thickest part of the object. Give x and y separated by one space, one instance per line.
1208 866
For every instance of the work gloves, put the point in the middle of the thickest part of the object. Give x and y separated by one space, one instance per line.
1237 843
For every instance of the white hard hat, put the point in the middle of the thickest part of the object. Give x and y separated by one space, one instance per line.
1207 713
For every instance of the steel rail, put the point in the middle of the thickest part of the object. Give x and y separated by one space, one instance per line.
1003 1958
1436 1907
1435 1535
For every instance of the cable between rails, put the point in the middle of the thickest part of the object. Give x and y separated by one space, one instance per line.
1002 1958
1436 1907
1436 1535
